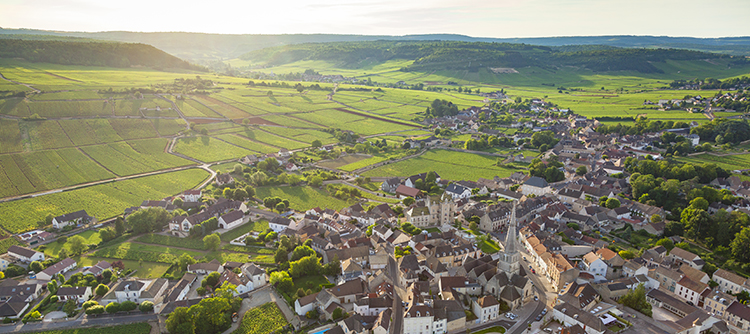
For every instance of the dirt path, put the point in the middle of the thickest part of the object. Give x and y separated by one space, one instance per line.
18 83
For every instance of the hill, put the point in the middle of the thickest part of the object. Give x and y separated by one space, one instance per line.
471 56
87 53
200 46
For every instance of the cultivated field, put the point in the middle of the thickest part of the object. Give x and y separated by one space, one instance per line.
448 164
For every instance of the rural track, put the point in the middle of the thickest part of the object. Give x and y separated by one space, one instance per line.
19 83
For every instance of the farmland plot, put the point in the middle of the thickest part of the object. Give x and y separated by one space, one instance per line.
209 149
138 156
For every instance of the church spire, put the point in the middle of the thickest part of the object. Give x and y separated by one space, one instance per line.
511 238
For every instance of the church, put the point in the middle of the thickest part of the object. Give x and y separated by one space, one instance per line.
502 277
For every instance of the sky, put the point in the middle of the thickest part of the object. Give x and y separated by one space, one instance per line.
488 18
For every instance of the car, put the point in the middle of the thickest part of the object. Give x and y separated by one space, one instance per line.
539 317
536 299
544 311
533 271
548 330
529 266
524 258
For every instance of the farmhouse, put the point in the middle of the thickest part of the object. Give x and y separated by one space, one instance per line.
193 195
222 179
535 186
79 294
405 191
231 220
206 267
24 254
136 291
72 218
57 268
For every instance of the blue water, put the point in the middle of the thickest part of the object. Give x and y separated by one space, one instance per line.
320 332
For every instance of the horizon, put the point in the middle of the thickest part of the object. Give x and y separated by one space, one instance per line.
354 34
501 19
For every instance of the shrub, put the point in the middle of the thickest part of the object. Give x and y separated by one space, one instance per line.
146 306
98 309
89 304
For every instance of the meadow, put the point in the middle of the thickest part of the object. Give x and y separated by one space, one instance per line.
304 198
448 164
137 252
92 237
101 201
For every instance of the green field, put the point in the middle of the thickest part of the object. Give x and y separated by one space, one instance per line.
303 198
101 201
92 238
209 149
170 241
89 131
150 253
143 269
448 164
344 161
263 319
24 173
258 226
134 157
728 162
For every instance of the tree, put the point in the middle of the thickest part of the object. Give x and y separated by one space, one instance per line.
96 309
302 251
741 245
62 254
146 306
626 254
63 239
408 201
581 170
281 207
148 220
36 266
89 304
77 245
666 242
112 308
337 313
332 268
316 143
281 280
184 260
309 265
101 290
281 255
655 218
473 226
128 306
180 322
201 291
613 203
211 280
636 299
178 202
212 241
48 219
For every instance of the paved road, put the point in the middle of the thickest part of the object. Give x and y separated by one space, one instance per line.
83 322
397 326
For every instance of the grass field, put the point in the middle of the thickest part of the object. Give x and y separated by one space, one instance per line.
137 156
263 319
258 226
91 237
150 253
344 161
209 149
170 241
101 201
729 162
143 270
448 164
303 198
24 173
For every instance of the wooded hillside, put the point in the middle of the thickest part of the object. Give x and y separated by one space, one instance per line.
91 54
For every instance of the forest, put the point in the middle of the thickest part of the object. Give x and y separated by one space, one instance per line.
471 56
109 54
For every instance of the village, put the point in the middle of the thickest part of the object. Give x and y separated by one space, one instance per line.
530 253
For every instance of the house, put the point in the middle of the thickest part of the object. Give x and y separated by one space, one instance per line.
192 195
291 167
284 153
535 186
222 179
305 304
382 323
12 290
411 181
13 308
349 292
24 254
738 316
457 191
180 290
136 290
231 220
390 185
256 274
729 281
206 267
680 255
690 290
717 302
570 315
372 306
593 265
279 224
486 308
98 268
79 294
73 218
405 191
241 282
57 268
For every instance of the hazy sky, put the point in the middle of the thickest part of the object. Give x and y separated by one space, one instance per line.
488 18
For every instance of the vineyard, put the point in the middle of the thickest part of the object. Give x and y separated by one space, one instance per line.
263 319
139 156
209 149
139 328
166 240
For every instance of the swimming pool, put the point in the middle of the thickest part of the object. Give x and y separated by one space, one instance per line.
320 331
